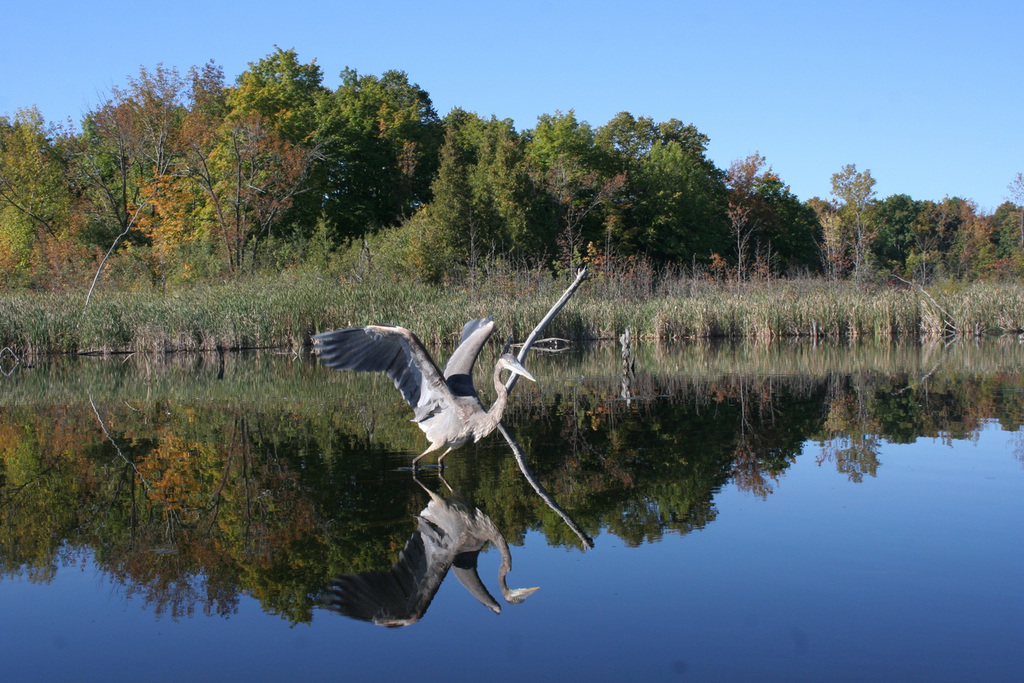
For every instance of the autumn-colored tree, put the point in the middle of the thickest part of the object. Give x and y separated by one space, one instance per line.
977 244
777 229
744 213
249 174
124 152
157 99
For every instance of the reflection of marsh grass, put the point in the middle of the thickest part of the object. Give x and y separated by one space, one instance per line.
267 380
695 360
283 311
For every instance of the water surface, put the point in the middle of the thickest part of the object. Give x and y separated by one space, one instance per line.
781 512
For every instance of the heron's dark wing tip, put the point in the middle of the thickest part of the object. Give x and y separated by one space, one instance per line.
390 349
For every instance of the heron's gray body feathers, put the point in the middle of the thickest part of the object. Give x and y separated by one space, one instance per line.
446 406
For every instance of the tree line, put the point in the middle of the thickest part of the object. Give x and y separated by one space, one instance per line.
179 177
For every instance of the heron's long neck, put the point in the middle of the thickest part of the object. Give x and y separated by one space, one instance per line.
498 407
512 595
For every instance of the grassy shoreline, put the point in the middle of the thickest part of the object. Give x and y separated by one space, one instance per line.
284 311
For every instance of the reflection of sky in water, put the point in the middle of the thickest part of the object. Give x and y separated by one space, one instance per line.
912 574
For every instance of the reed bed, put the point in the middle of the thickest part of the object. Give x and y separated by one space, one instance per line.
285 311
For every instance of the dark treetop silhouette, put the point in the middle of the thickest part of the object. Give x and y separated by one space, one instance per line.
447 407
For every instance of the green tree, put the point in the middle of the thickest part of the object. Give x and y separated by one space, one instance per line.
680 204
567 164
483 199
950 230
856 192
283 91
1006 222
504 193
451 216
896 217
35 200
627 140
673 203
379 137
791 228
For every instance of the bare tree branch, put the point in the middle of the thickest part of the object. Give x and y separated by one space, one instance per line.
580 277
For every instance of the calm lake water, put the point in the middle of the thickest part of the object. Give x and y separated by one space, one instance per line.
786 512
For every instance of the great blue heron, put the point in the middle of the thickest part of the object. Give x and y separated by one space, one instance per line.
449 536
447 407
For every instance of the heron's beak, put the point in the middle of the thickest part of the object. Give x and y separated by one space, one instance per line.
517 367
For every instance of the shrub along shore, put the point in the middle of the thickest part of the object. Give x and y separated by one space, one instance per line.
284 311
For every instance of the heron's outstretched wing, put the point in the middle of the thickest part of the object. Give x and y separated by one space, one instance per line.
447 533
392 350
396 597
459 370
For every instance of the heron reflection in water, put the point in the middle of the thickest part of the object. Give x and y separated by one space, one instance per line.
449 535
447 407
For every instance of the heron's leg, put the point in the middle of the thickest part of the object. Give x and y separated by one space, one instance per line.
441 457
417 458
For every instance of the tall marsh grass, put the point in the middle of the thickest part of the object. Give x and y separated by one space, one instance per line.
284 311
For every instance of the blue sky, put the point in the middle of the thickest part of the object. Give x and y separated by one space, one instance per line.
927 95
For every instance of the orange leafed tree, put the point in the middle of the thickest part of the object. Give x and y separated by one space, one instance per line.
249 175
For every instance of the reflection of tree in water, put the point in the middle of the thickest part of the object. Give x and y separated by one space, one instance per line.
174 515
272 495
851 429
755 467
210 509
865 409
654 462
1018 446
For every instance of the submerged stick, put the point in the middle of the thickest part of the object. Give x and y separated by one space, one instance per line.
588 543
